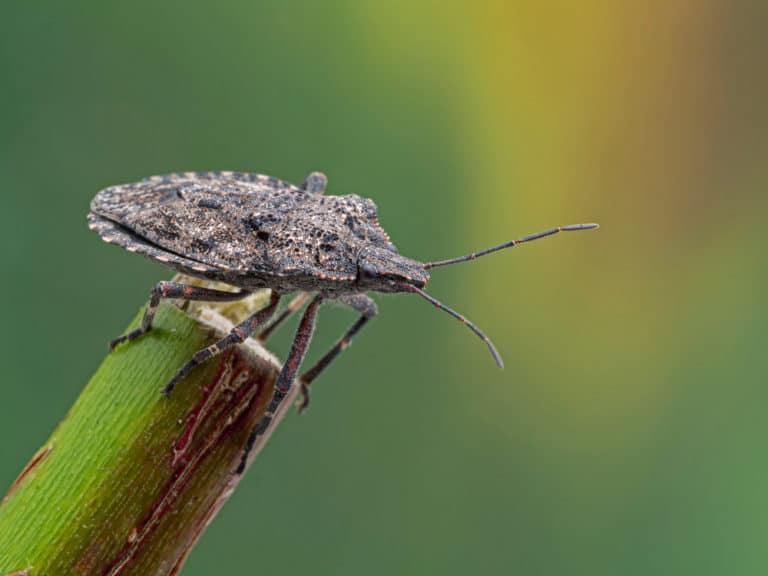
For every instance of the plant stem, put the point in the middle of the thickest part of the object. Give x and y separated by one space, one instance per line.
130 479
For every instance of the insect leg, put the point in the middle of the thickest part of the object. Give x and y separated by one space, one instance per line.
294 305
175 290
236 336
367 308
287 376
315 183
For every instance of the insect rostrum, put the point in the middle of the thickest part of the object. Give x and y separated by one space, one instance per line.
253 231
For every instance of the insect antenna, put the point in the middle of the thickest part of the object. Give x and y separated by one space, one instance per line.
511 243
495 353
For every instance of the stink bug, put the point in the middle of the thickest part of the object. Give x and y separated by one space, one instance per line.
252 231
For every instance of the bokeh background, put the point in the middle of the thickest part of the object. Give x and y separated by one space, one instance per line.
627 434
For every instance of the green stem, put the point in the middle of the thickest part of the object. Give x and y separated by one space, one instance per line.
130 479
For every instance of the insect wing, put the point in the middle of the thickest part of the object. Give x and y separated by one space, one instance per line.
210 221
113 233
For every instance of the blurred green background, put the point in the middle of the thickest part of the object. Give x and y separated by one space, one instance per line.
627 433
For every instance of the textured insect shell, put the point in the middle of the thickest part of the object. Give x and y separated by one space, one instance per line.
248 230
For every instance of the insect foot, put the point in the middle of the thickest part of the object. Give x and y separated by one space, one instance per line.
127 337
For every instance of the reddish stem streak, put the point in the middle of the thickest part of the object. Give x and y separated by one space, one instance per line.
36 460
201 410
242 402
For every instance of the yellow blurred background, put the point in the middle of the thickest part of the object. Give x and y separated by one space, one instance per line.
626 433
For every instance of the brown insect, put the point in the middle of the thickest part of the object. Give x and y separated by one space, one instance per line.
253 231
